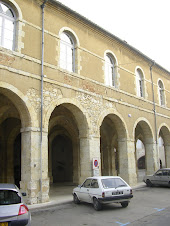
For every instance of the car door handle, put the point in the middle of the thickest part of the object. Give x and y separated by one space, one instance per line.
87 189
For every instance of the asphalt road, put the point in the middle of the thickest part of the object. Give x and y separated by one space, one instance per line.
149 206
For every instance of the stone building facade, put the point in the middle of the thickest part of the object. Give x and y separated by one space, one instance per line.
70 92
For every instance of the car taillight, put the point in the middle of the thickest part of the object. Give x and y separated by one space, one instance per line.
131 191
103 194
23 209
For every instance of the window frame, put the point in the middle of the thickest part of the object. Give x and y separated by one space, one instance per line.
140 83
13 20
110 72
161 93
68 46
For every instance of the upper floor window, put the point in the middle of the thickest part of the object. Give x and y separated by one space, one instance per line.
7 21
109 70
161 93
140 83
67 52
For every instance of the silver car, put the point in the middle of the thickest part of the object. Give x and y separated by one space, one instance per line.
103 190
160 177
13 210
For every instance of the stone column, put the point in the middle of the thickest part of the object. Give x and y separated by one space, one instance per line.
89 149
113 172
30 165
151 156
50 174
167 154
127 165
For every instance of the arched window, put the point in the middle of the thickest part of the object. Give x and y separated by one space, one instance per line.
140 83
109 70
161 93
67 52
7 23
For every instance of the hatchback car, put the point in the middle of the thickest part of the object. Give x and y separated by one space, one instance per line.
160 177
103 190
13 210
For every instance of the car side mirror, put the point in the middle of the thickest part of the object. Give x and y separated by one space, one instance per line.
24 194
79 186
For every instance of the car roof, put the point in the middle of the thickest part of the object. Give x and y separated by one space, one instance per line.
6 186
103 177
164 169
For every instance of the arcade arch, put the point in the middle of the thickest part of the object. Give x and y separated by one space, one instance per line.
117 155
164 145
18 140
143 133
68 145
14 115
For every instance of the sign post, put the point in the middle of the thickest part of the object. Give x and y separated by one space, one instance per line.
96 166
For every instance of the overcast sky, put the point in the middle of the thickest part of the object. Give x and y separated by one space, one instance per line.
144 24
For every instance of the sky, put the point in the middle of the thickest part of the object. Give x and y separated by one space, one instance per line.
143 24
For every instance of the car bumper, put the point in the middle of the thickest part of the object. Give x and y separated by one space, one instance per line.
118 198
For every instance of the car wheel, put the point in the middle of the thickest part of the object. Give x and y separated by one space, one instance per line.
148 183
97 205
124 204
76 199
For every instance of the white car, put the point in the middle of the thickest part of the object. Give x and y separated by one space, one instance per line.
160 177
13 210
103 190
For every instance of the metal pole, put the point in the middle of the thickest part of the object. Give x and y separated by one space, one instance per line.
154 109
42 75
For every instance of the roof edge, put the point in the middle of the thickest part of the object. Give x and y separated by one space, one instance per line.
55 2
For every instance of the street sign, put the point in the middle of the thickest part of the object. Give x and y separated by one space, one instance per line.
95 163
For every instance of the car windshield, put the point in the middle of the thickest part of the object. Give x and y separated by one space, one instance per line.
8 197
113 183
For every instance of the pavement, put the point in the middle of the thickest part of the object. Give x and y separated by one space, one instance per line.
60 195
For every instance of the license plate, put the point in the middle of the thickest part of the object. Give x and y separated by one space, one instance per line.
117 193
3 223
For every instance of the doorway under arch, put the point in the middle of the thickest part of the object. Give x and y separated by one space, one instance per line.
145 152
62 159
64 146
112 132
10 142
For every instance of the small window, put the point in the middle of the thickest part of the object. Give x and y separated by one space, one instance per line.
159 173
87 183
140 83
67 52
165 173
161 93
94 184
7 21
8 197
113 183
109 70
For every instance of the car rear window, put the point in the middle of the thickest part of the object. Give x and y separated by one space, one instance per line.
113 183
8 197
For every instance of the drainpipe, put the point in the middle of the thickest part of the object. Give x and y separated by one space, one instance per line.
154 108
42 75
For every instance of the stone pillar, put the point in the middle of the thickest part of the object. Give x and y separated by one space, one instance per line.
113 160
50 174
89 149
167 154
127 164
30 165
151 156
